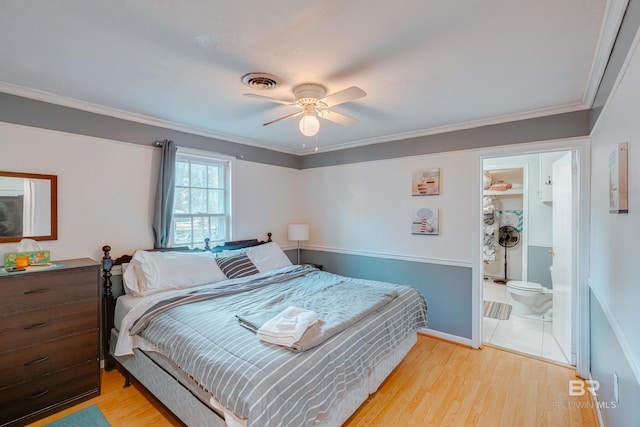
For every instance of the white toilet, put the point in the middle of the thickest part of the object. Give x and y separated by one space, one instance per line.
531 300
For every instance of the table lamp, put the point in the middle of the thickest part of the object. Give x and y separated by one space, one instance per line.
298 232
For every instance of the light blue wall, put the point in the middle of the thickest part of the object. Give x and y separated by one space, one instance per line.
447 289
608 357
538 263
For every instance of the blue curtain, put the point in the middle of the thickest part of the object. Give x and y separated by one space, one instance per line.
164 195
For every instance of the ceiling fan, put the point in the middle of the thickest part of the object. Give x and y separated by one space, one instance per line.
314 103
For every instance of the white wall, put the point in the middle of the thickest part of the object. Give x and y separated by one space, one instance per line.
267 199
106 191
367 208
614 237
104 188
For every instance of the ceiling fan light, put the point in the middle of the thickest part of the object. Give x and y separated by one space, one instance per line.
309 125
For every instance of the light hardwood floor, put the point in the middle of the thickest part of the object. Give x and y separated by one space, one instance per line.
437 384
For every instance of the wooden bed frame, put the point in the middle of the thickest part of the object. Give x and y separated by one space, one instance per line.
109 300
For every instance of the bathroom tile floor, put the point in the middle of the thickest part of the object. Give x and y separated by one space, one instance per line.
517 333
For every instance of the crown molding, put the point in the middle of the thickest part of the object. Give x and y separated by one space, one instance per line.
613 16
50 98
567 108
152 121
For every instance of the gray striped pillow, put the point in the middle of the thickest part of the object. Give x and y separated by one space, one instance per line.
236 266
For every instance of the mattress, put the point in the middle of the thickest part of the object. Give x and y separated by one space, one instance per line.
196 333
162 377
124 304
270 385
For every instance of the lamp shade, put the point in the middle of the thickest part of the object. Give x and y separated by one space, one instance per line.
298 232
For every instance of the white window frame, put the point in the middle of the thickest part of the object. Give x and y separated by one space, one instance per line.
210 157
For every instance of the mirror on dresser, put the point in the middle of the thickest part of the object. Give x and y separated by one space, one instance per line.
28 206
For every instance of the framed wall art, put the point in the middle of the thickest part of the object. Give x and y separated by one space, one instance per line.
425 182
426 221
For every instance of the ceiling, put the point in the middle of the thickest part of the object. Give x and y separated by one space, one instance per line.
427 66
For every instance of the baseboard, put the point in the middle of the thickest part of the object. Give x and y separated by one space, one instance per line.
446 337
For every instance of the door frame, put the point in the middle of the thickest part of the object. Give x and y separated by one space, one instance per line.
581 149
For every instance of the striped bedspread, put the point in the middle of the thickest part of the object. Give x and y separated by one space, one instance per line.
270 385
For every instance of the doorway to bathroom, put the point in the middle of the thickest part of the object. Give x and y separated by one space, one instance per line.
529 264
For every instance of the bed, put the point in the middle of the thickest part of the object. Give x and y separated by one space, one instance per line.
192 328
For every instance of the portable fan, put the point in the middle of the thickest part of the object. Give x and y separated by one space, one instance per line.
508 237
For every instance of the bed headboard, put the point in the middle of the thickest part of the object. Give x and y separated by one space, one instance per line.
109 301
237 244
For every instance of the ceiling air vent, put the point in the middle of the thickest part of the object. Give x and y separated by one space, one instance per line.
261 81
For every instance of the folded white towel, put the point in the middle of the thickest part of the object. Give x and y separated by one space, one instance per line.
287 327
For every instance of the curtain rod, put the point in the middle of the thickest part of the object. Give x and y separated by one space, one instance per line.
159 144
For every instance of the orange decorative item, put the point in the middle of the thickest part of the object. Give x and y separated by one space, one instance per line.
22 261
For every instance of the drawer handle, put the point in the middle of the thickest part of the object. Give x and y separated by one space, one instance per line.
36 326
37 291
39 360
37 394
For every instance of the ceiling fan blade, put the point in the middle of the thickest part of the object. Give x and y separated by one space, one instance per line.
338 118
288 116
267 98
345 95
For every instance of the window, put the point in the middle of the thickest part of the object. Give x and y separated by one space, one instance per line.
202 206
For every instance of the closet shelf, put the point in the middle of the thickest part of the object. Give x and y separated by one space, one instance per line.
509 192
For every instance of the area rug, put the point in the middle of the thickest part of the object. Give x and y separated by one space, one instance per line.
497 310
88 417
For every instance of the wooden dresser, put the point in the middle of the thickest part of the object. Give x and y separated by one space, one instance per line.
49 340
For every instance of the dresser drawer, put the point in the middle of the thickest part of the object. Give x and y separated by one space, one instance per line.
32 327
29 397
35 361
22 292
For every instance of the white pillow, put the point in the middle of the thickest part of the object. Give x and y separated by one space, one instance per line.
154 272
268 257
129 279
232 252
